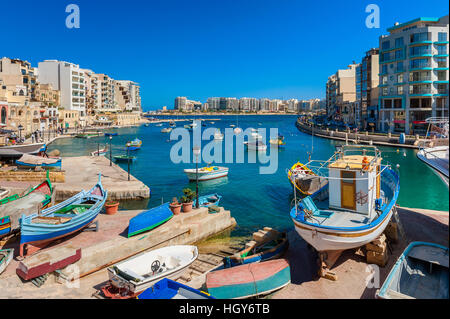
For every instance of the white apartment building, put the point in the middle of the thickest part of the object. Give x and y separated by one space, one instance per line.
264 104
131 94
213 103
67 78
413 74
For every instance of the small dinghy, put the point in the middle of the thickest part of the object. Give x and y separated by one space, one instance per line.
266 245
100 152
249 280
149 219
132 276
6 255
208 200
206 173
169 289
421 272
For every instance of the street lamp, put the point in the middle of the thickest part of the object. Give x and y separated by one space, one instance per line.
20 127
110 151
196 151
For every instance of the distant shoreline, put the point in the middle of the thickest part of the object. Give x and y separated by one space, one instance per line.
218 114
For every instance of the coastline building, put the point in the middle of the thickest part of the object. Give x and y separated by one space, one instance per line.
69 79
106 102
264 105
366 79
182 104
213 103
413 74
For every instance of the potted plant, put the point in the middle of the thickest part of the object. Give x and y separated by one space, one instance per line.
175 207
111 207
188 199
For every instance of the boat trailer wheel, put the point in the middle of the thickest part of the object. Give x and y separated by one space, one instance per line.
155 265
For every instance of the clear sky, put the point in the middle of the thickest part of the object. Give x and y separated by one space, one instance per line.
202 48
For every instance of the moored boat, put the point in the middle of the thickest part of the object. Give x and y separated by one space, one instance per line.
124 158
88 135
60 220
169 289
166 130
6 255
361 201
278 142
266 245
134 144
132 276
206 173
305 180
100 152
149 219
256 146
218 136
208 200
111 134
421 272
249 280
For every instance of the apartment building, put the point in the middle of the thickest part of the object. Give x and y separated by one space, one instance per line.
184 105
18 80
106 102
130 96
47 95
213 103
69 79
366 82
413 74
264 105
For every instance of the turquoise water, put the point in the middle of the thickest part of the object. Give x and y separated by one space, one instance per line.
255 200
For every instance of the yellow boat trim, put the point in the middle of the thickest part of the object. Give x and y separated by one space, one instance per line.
306 169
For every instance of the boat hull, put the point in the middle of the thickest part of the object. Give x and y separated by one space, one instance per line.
149 219
7 255
169 289
191 174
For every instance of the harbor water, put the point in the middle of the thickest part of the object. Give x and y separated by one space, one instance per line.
254 199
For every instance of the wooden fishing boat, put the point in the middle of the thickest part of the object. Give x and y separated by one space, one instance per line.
208 200
5 226
206 173
266 245
421 272
169 289
149 219
32 161
360 202
132 276
249 280
6 255
47 261
39 229
33 199
134 145
278 142
100 152
124 158
305 180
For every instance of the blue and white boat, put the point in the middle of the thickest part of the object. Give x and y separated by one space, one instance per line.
206 173
359 206
149 219
134 145
169 289
65 218
421 272
208 200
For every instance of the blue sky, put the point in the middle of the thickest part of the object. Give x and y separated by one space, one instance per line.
202 48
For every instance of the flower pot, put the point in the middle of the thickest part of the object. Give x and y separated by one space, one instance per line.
176 209
187 207
111 208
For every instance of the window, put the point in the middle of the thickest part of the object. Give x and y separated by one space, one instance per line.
384 68
385 45
398 103
419 37
387 104
420 50
400 66
442 49
385 91
442 36
400 90
400 78
399 54
399 42
386 56
419 63
441 76
441 62
384 79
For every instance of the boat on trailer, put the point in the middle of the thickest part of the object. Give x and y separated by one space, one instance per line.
169 289
305 180
134 275
41 228
206 173
421 272
360 202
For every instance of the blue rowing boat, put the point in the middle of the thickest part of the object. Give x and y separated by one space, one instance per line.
149 219
169 289
111 134
70 216
33 161
208 200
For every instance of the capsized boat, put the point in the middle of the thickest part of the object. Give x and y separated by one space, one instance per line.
421 272
267 244
208 200
149 219
6 255
305 180
124 158
249 280
33 161
206 173
360 202
37 197
132 276
169 289
100 152
60 220
134 144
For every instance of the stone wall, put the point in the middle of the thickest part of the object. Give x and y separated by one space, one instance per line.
25 176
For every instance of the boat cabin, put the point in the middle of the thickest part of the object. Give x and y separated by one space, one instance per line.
354 181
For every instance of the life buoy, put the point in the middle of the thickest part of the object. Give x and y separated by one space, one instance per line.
365 163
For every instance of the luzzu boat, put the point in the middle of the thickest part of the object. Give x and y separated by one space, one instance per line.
361 201
63 219
206 173
134 145
421 272
278 142
305 180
